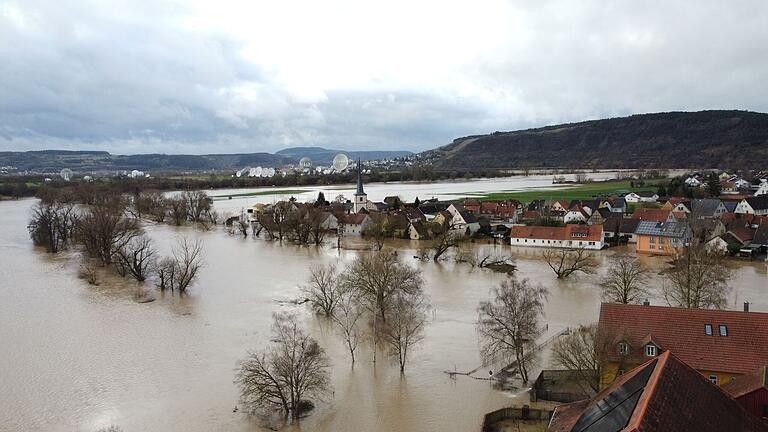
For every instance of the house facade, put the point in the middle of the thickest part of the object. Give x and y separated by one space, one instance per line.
638 197
569 236
757 205
662 238
720 344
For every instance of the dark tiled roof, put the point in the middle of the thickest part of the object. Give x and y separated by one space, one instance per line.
705 207
758 202
681 331
651 214
661 395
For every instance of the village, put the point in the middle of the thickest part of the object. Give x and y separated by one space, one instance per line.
637 355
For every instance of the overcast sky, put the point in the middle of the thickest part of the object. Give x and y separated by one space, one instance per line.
142 76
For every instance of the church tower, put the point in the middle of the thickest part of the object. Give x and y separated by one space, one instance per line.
361 199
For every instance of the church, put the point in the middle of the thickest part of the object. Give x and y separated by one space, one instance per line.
360 201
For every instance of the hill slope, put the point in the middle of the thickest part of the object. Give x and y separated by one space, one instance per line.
734 139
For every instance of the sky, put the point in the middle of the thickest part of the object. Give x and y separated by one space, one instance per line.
225 76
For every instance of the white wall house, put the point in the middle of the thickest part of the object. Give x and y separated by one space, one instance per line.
762 189
638 197
569 236
754 205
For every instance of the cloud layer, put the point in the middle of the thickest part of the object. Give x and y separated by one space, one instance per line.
201 77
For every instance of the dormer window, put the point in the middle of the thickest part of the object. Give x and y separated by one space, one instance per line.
650 350
723 330
708 329
623 348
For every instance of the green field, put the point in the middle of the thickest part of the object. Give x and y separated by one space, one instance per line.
578 191
267 192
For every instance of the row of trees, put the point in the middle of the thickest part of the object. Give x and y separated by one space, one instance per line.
302 224
110 235
376 299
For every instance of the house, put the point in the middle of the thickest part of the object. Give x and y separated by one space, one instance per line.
762 188
662 238
642 196
618 205
751 391
757 205
760 239
720 344
651 214
599 216
621 227
559 206
472 205
576 214
672 202
329 221
693 182
463 220
702 208
418 231
353 224
663 394
569 236
413 214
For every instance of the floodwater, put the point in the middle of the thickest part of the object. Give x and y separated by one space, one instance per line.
76 357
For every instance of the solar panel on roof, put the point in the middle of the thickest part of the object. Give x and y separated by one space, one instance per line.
612 412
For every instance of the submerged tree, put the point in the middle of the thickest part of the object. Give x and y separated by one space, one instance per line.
377 277
625 281
104 229
179 272
404 327
52 225
582 352
565 262
508 324
136 258
347 315
323 289
698 279
284 376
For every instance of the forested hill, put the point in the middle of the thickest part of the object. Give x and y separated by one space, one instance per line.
732 139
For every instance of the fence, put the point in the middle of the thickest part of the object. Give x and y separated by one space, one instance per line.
524 413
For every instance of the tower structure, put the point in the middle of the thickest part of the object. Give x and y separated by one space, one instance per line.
361 198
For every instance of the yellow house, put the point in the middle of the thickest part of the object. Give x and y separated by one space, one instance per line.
719 344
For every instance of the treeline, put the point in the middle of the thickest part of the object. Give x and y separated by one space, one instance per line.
107 230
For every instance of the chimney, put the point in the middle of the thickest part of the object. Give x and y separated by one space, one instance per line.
648 303
746 306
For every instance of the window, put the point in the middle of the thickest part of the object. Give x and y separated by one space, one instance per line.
653 240
708 329
623 348
713 379
650 350
620 372
723 330
765 410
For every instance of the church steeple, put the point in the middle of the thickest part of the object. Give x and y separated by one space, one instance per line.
359 179
361 199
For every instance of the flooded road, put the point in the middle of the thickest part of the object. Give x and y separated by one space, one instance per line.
76 357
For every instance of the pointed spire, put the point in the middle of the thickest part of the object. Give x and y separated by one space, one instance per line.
359 179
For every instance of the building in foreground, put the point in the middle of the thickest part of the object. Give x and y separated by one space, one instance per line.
661 395
720 344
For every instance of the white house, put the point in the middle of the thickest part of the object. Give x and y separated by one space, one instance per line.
354 224
757 205
637 197
462 219
692 182
762 189
569 236
575 215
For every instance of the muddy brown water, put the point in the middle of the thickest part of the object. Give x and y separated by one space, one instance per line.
76 357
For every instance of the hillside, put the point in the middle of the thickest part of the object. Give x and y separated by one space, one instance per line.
94 161
733 139
321 155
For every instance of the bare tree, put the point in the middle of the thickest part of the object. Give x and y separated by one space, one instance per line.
104 229
177 273
565 262
177 209
698 279
625 281
378 230
199 206
496 262
283 376
444 237
347 315
323 289
405 324
376 277
52 225
151 204
136 258
318 227
508 324
189 260
88 272
582 352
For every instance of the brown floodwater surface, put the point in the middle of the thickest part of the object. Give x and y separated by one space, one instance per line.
76 357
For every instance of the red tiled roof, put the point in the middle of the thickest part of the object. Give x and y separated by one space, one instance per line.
651 214
568 232
681 331
748 383
675 398
353 218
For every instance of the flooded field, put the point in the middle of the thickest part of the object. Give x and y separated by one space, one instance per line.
77 357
